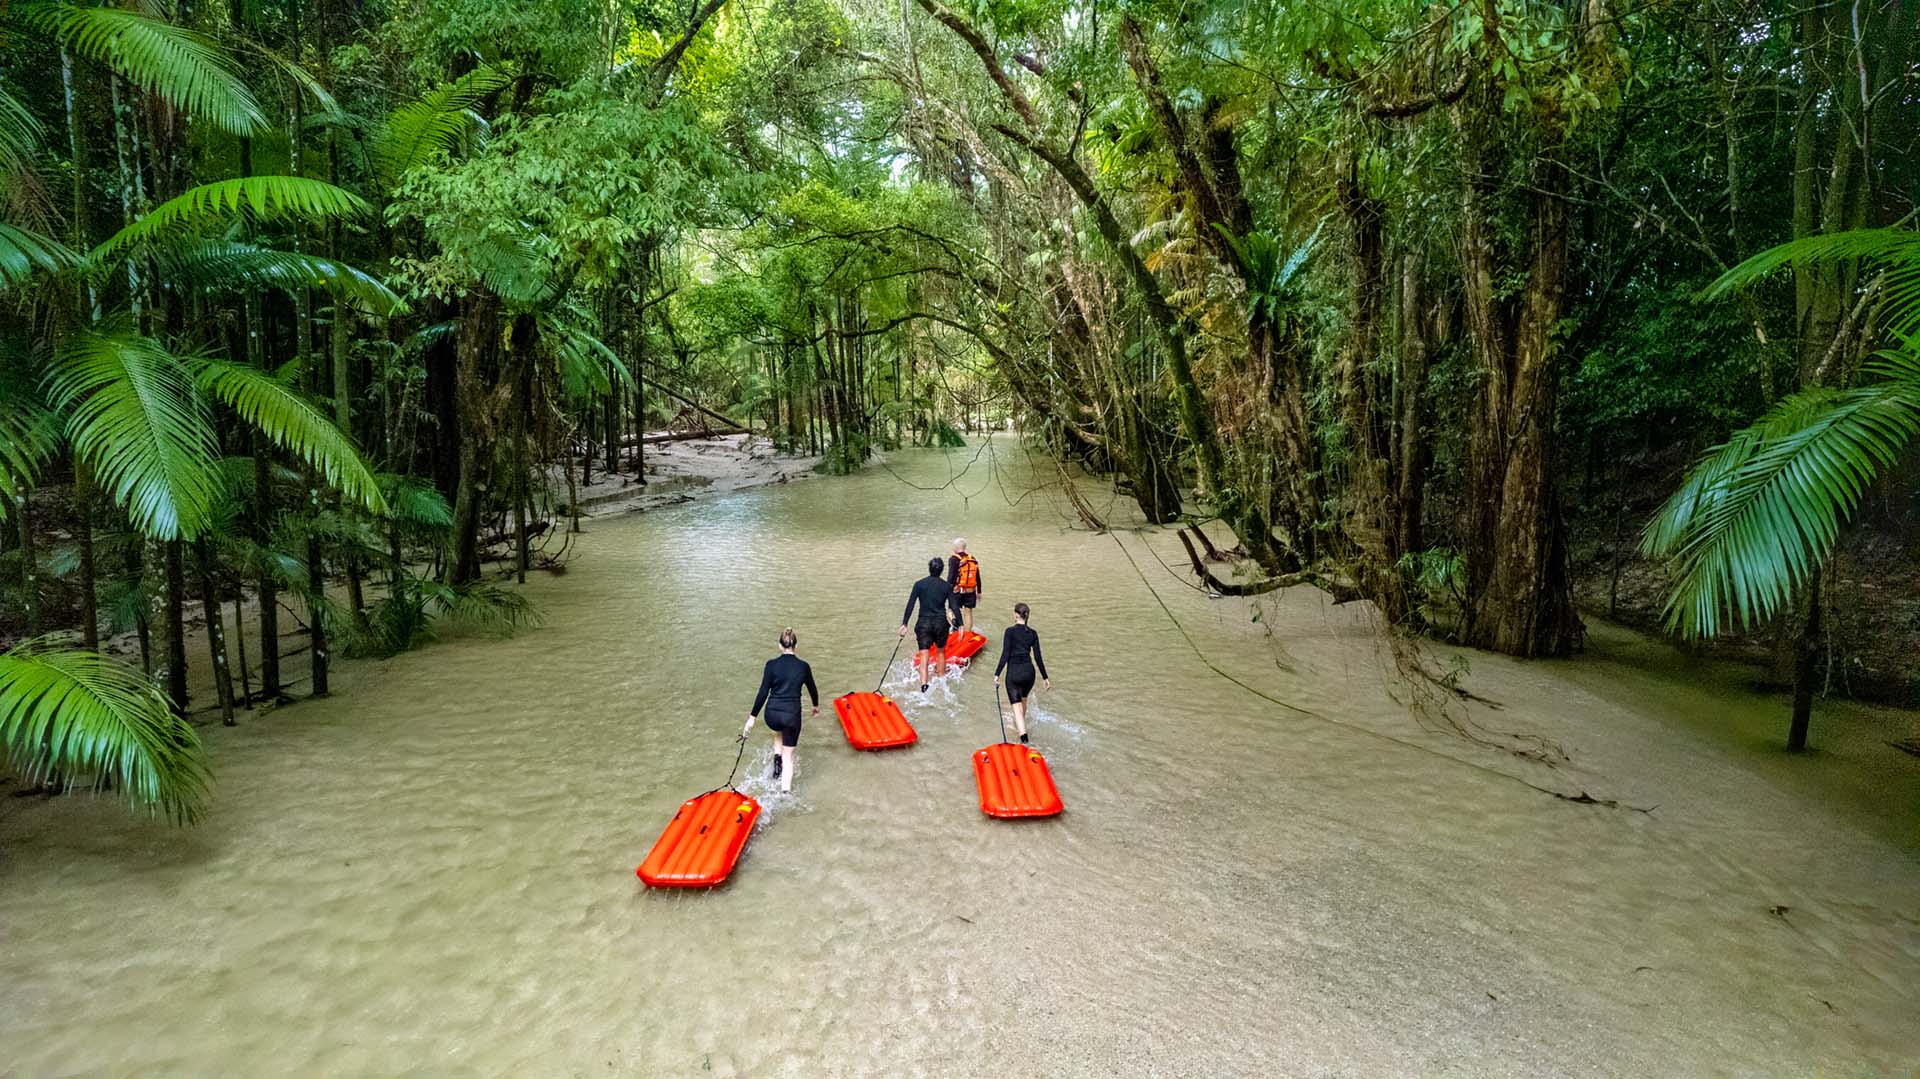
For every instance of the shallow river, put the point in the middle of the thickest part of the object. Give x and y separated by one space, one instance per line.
432 872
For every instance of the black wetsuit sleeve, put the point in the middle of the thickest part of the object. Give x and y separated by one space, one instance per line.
906 616
766 687
1037 661
953 572
806 674
1006 651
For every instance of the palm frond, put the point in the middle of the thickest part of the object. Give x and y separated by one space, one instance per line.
20 134
277 198
414 502
23 252
230 266
421 130
132 413
286 418
76 713
1895 251
1760 512
582 358
188 70
28 433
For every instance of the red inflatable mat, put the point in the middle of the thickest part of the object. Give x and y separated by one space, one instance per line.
962 647
873 721
1014 781
701 842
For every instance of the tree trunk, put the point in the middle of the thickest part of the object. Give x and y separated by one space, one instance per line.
316 623
240 639
175 601
216 632
1806 656
1410 449
1519 598
29 577
478 333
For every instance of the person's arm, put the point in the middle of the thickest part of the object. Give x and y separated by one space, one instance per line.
1037 661
1006 652
953 570
807 670
913 596
766 687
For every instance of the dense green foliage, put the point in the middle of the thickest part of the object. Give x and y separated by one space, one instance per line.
330 297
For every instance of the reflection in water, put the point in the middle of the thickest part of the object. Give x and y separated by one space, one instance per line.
433 872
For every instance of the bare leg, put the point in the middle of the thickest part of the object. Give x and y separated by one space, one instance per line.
1020 718
966 620
786 773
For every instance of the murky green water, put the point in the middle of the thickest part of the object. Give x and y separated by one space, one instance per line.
432 873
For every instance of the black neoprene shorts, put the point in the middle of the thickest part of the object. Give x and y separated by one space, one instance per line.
786 723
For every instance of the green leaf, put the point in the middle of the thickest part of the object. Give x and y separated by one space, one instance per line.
228 266
132 413
27 437
74 713
280 198
186 69
1760 512
23 252
281 414
420 131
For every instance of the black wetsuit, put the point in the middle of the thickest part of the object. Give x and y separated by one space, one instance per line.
964 599
931 594
1014 660
780 684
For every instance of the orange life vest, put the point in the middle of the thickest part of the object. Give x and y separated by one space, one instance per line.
968 579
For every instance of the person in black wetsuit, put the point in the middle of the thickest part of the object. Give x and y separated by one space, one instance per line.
780 684
1019 655
931 593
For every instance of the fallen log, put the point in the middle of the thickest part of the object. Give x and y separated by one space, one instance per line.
692 404
1339 590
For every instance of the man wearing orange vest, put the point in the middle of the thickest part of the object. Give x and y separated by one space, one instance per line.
963 573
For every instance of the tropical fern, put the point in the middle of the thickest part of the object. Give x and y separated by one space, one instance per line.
228 266
132 413
186 69
420 131
281 414
282 198
75 713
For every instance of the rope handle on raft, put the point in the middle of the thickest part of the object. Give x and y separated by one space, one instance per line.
888 669
728 785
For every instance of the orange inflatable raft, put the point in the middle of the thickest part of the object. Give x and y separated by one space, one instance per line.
1014 781
873 721
962 647
702 841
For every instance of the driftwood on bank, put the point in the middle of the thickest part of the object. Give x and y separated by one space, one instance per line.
729 421
1339 590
